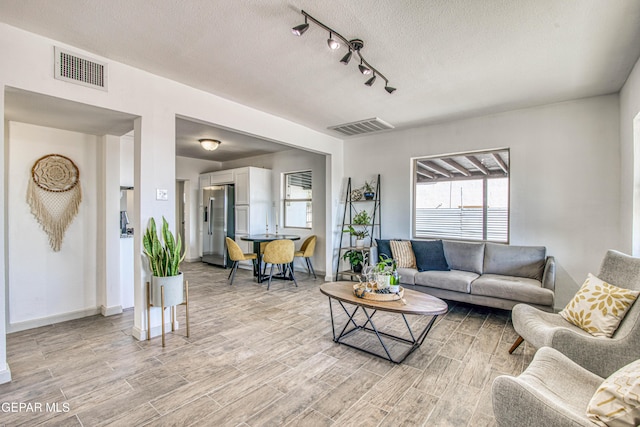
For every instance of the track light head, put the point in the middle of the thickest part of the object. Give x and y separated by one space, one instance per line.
345 59
299 30
371 81
364 69
390 89
333 44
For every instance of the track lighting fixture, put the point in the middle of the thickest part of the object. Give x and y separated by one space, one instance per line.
364 69
300 29
332 43
371 81
353 45
345 59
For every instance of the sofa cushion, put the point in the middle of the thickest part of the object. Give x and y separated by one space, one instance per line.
403 253
520 261
384 248
454 280
464 256
429 255
512 288
407 275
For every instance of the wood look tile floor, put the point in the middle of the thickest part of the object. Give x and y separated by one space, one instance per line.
257 358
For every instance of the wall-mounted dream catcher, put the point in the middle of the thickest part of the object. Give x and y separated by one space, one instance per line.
54 195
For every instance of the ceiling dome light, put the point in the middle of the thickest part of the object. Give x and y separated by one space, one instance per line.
390 89
371 81
209 144
345 59
333 44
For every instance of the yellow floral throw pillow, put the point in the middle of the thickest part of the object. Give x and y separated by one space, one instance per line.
599 307
617 400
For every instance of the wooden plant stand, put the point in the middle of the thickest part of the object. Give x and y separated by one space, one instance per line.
173 310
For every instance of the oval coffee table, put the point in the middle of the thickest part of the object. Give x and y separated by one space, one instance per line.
415 303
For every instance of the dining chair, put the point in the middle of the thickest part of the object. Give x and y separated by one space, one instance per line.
236 255
280 252
306 252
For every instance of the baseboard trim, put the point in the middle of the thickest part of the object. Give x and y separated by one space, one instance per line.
46 321
5 375
110 311
156 331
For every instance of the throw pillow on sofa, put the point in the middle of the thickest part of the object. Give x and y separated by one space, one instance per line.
384 250
429 255
599 307
617 400
403 253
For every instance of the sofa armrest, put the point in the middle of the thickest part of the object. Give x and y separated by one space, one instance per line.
549 275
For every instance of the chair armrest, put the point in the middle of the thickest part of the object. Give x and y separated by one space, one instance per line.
549 275
601 356
518 403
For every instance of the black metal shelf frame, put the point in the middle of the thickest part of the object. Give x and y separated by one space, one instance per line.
375 228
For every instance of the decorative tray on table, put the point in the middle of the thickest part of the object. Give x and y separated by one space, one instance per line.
371 292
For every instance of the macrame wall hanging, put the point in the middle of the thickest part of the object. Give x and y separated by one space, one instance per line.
54 195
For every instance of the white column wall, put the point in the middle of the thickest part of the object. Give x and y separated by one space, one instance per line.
5 372
630 162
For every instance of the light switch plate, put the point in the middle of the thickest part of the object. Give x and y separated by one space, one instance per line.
162 194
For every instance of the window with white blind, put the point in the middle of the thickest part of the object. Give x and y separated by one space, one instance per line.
462 196
297 200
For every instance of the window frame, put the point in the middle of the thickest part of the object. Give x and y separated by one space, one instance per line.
285 200
484 178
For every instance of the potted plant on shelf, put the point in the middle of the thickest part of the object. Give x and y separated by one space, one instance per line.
357 259
359 234
164 260
368 190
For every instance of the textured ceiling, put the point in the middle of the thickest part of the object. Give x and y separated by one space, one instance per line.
448 58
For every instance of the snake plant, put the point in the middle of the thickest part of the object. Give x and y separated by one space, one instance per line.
164 258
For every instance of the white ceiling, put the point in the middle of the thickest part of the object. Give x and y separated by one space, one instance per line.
448 58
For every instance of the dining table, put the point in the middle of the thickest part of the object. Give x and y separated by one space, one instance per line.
268 237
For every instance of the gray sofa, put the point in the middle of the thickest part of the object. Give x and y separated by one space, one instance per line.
488 274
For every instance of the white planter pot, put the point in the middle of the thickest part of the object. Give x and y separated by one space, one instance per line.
382 280
173 290
359 243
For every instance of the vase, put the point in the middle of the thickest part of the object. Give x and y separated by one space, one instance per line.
369 195
173 290
383 280
359 243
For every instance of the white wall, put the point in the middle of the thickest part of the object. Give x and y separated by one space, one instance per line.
630 164
565 181
294 161
43 283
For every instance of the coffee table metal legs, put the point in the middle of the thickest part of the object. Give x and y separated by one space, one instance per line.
345 332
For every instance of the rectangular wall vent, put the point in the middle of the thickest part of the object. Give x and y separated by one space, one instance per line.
79 69
362 127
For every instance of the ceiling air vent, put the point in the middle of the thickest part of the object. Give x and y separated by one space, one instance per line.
79 69
362 127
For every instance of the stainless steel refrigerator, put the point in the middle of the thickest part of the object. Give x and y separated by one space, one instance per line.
219 222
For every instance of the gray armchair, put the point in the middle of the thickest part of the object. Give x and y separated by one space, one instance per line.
602 356
552 392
